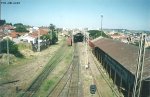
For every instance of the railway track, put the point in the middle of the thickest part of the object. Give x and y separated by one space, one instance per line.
68 84
105 77
95 82
55 92
33 88
73 86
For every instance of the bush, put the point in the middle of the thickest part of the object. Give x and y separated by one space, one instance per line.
96 33
21 29
13 48
2 22
54 38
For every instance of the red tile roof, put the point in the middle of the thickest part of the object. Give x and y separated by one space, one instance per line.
15 34
35 34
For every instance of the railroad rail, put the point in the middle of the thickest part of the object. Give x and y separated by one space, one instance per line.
73 86
55 92
105 77
95 82
33 88
68 85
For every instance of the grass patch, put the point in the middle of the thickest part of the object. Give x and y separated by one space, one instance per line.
48 84
68 58
45 87
22 46
4 75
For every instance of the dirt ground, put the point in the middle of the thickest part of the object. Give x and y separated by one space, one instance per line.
24 74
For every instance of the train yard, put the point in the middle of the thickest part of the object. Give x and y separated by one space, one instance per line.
72 83
68 85
71 78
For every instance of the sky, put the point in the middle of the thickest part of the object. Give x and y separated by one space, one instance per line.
117 14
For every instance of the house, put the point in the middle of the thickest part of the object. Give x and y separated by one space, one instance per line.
9 27
15 34
32 37
2 34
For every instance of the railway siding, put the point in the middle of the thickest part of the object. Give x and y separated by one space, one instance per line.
60 53
68 85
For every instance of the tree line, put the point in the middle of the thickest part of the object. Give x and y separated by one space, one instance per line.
96 33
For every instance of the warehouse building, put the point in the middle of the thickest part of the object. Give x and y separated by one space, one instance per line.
120 62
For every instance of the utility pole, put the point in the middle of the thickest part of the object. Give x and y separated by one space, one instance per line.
73 40
86 34
37 29
72 37
7 48
0 9
101 23
86 48
85 44
139 71
38 40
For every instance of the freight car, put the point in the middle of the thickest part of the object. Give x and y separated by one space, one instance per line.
69 41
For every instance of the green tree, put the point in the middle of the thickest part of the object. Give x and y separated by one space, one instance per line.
13 48
53 33
52 27
9 24
21 29
2 22
96 33
18 24
45 37
54 38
